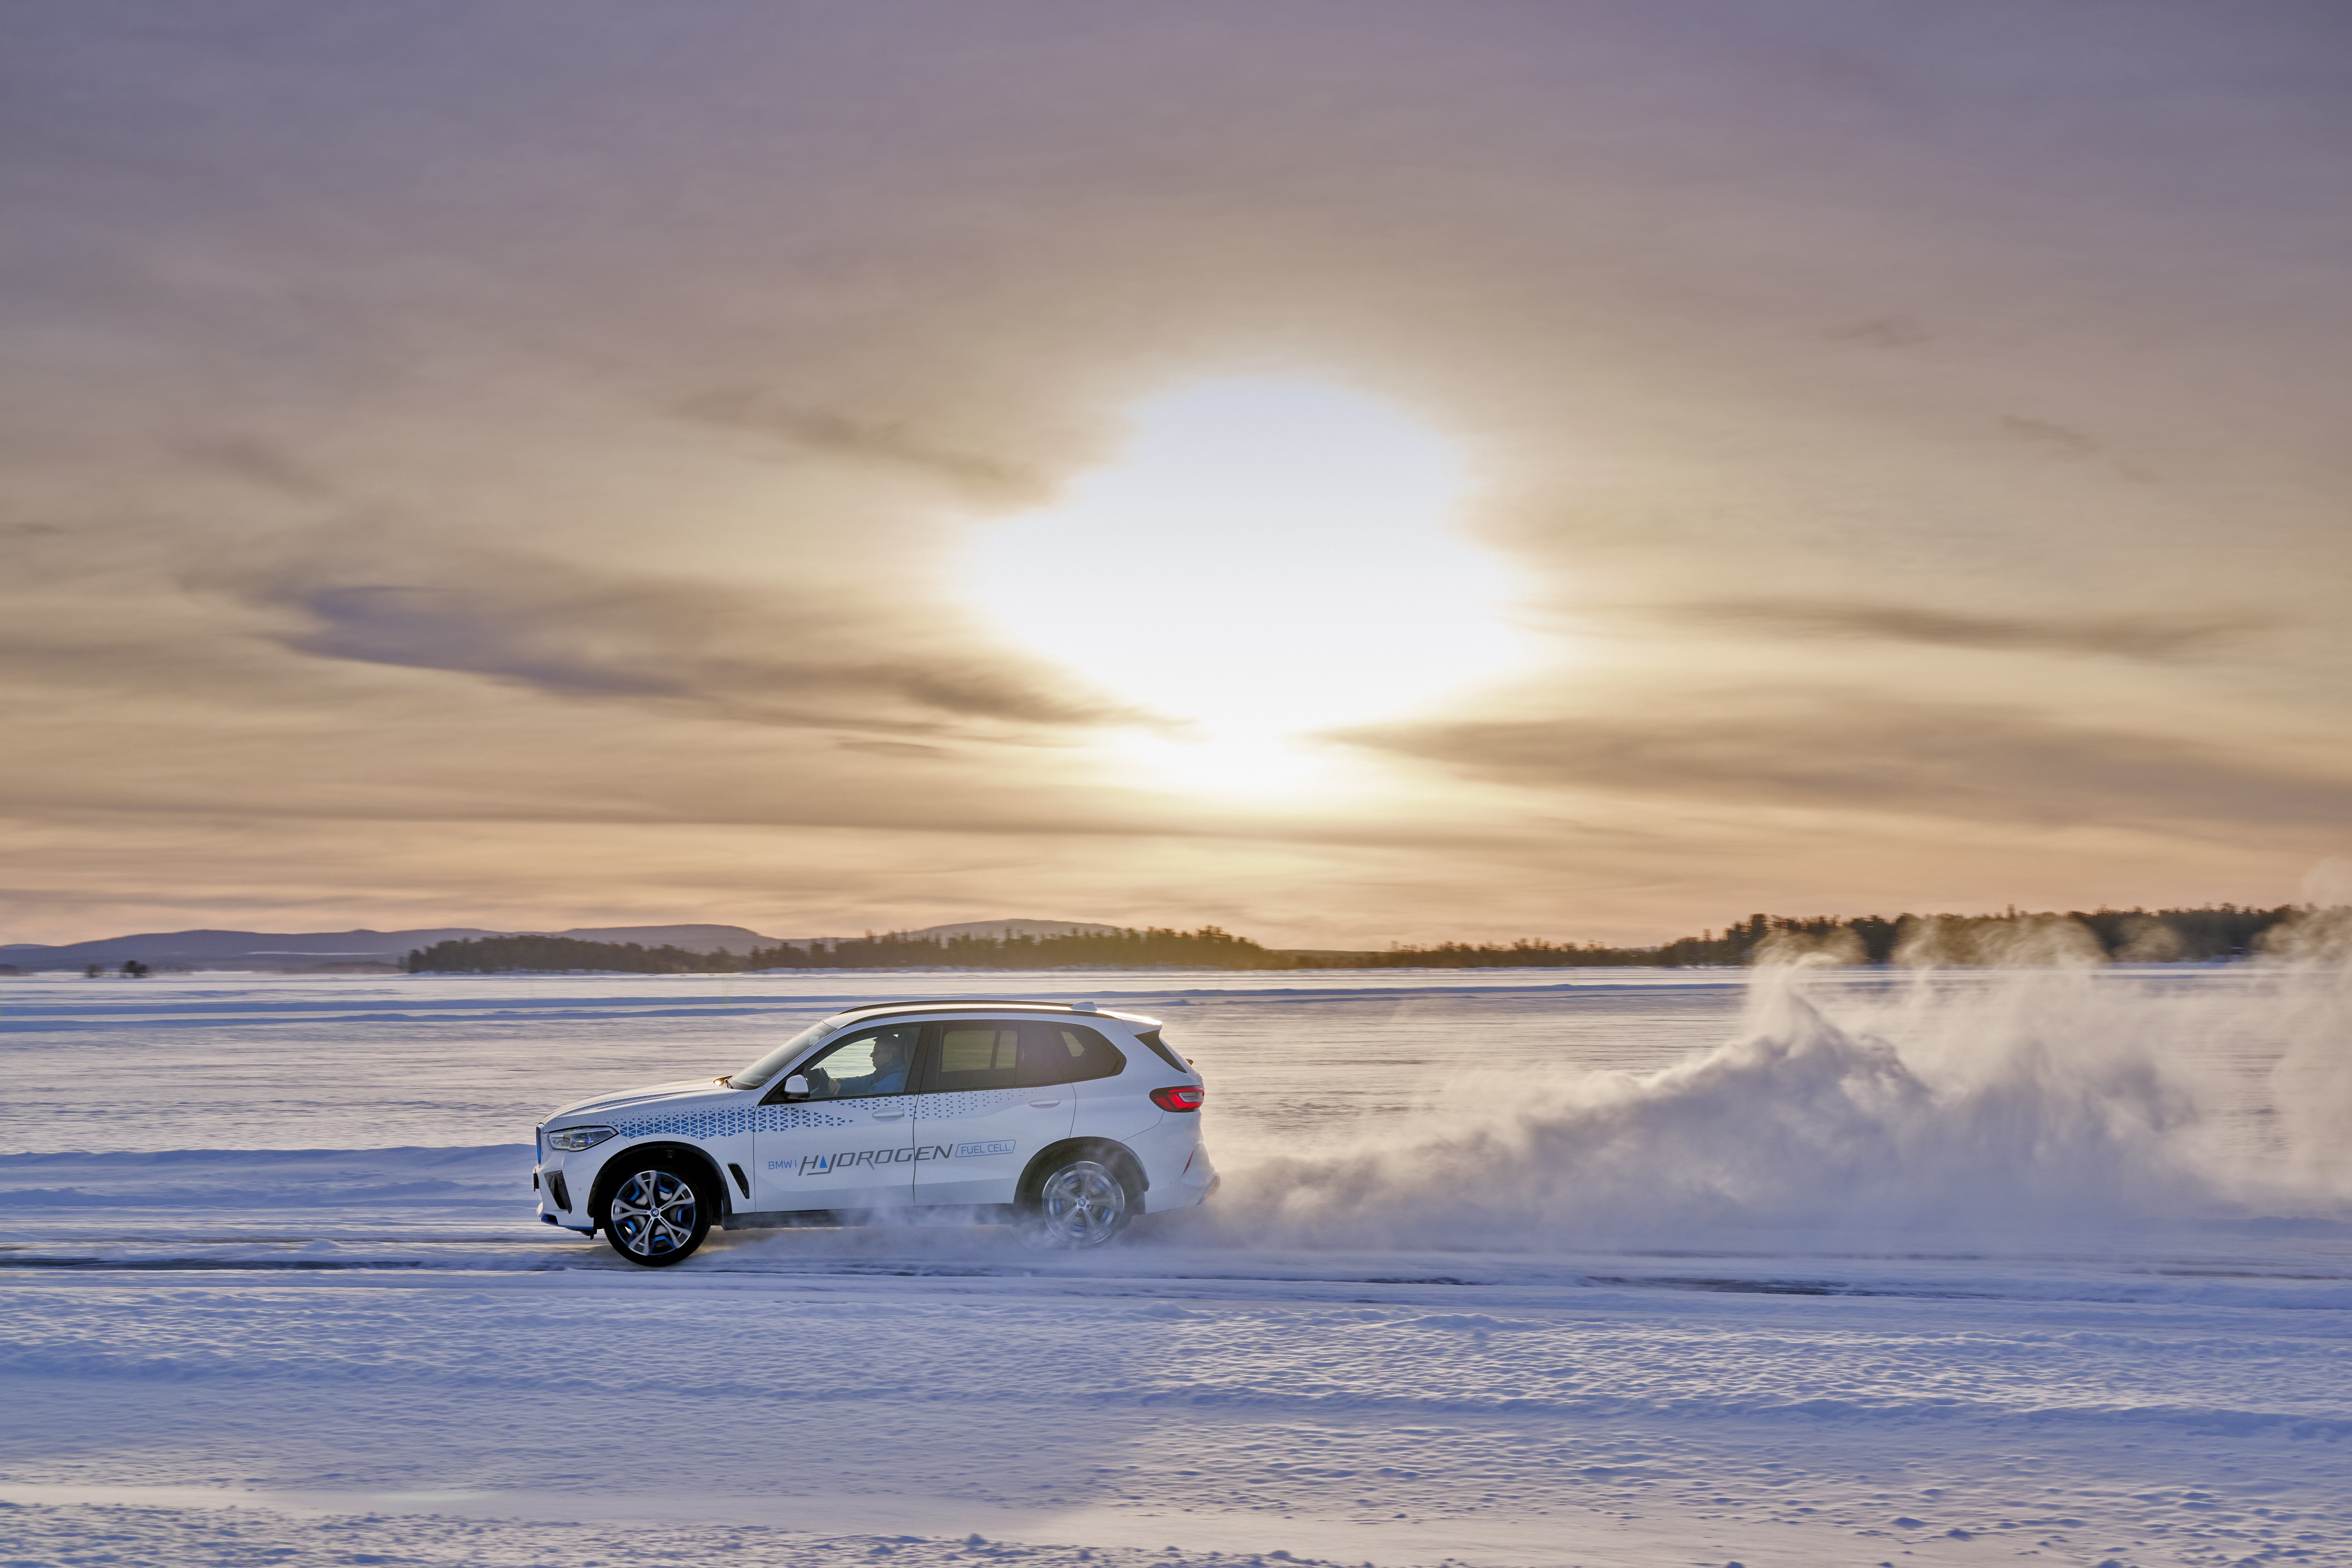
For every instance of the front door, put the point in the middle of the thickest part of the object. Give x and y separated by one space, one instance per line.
850 1144
995 1093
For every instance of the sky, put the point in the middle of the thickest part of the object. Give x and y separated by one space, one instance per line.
1350 472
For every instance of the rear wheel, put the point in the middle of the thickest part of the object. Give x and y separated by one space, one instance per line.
658 1215
1080 1202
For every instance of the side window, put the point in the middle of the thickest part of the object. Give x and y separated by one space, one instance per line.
1055 1052
1160 1049
975 1054
875 1062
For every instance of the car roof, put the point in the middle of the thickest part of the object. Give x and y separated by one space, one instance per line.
992 1003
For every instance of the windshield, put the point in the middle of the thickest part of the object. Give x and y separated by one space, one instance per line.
757 1075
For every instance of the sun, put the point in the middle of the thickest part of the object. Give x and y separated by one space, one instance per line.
1266 560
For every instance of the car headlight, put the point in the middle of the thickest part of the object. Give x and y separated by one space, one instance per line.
574 1139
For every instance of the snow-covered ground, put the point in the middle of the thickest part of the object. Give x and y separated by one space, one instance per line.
1604 1266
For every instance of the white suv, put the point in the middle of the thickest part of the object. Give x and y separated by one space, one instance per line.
1062 1118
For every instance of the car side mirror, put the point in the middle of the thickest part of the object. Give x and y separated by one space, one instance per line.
796 1086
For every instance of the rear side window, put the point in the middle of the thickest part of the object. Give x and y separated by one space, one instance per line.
1055 1052
974 1054
1159 1047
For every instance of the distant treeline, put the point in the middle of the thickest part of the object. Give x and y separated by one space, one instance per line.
2222 931
1207 948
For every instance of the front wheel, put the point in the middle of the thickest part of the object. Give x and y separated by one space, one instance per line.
1080 1203
657 1216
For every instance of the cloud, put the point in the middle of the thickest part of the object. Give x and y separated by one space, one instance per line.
2048 437
896 442
260 463
575 633
913 749
1976 762
2145 636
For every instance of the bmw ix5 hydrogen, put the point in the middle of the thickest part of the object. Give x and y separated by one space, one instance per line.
1062 1118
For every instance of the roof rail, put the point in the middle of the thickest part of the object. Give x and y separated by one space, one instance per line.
959 1002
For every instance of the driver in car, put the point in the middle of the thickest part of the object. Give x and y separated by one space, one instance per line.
887 1076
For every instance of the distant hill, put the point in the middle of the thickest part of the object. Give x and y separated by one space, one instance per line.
236 949
298 950
305 951
693 938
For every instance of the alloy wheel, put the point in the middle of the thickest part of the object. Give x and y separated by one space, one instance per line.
1081 1205
654 1214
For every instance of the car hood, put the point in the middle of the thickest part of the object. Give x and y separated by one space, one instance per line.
688 1091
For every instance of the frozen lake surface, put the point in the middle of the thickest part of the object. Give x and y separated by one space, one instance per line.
1603 1266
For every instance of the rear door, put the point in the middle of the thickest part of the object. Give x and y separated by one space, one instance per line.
850 1144
991 1098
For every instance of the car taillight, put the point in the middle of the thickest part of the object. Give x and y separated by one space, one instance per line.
1183 1097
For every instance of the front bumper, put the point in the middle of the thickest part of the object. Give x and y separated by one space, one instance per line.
557 1195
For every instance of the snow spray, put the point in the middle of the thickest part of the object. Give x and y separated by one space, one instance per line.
2043 1101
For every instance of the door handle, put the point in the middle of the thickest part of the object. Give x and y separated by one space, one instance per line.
888 1115
1044 1104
